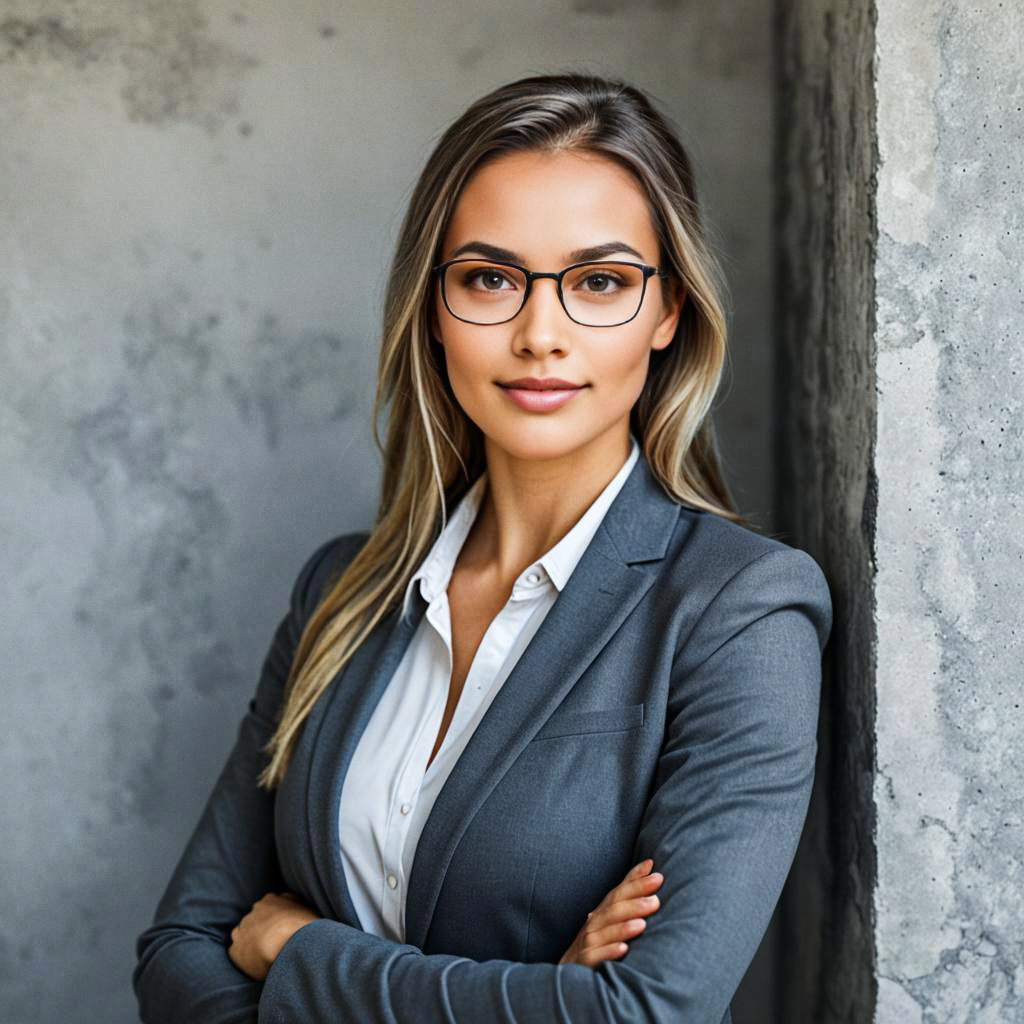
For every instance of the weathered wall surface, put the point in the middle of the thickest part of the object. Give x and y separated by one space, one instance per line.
950 538
903 202
825 238
198 202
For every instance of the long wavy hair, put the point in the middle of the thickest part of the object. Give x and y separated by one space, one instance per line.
434 452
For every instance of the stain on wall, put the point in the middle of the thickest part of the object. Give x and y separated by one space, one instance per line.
282 370
169 67
50 38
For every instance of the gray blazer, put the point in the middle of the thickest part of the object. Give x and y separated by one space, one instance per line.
666 708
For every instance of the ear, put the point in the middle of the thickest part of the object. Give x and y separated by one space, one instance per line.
666 329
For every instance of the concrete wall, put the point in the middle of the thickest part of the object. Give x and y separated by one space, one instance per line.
949 903
901 243
199 200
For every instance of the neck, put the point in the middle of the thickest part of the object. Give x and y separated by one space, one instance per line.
529 505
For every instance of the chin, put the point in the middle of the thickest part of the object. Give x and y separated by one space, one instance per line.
534 441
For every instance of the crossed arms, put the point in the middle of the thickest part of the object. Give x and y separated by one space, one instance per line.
725 814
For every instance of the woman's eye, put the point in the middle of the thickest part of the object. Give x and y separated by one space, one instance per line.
490 279
603 281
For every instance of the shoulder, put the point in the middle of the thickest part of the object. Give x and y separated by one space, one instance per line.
731 575
327 561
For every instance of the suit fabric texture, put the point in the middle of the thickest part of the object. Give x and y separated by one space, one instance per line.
667 707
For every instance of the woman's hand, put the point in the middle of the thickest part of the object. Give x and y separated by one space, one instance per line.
619 916
258 937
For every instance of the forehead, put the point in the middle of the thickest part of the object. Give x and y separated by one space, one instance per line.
544 205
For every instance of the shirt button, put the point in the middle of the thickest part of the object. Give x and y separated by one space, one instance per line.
533 578
405 808
392 881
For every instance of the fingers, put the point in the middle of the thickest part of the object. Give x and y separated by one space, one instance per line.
620 916
640 906
609 942
636 882
624 912
619 931
639 888
641 869
592 957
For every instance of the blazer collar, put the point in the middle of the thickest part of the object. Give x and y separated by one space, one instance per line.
603 590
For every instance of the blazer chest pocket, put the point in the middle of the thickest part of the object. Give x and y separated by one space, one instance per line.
574 723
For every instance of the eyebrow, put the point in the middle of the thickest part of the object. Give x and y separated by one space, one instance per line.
592 252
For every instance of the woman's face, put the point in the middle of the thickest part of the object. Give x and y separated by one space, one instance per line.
542 208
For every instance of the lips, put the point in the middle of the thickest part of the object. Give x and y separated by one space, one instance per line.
540 384
541 395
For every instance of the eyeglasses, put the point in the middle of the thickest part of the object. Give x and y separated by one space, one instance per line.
594 294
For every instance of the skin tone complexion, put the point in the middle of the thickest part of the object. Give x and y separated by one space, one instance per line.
548 459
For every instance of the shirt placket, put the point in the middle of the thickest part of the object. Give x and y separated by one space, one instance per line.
487 663
410 780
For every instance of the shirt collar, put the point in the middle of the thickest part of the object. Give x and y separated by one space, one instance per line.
558 562
436 569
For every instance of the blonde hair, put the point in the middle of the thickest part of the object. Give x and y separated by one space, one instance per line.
433 452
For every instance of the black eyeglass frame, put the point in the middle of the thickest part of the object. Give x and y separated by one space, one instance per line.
533 275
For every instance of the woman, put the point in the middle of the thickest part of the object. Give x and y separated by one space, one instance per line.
559 659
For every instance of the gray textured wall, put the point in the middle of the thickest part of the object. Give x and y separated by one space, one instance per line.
901 248
199 200
950 541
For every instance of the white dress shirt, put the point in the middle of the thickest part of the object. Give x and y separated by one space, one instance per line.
389 790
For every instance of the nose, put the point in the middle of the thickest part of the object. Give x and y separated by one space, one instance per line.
542 323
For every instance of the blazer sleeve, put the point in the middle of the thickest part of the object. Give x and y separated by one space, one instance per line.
183 972
726 810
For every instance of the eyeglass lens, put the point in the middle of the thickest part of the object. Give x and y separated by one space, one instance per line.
596 294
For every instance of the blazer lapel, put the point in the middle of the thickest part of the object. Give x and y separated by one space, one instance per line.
602 591
599 595
352 696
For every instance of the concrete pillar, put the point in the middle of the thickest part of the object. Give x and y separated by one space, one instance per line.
901 248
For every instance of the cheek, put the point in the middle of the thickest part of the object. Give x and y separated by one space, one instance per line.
470 370
621 365
466 359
